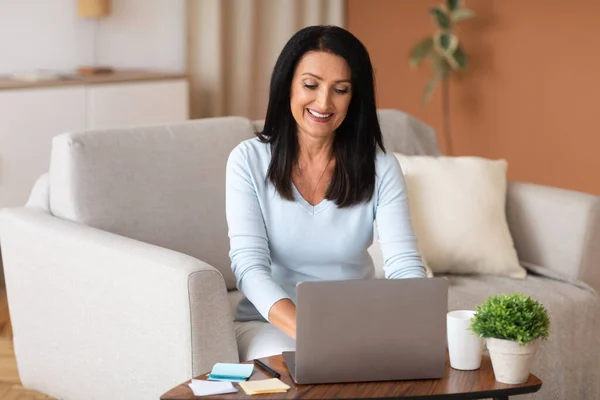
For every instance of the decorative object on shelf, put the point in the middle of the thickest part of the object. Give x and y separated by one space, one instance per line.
95 70
514 326
446 54
39 75
94 9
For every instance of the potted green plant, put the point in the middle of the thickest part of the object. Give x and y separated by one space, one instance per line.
513 326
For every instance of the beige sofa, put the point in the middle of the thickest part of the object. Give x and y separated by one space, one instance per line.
118 275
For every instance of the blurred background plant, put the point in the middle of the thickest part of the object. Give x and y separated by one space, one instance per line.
446 54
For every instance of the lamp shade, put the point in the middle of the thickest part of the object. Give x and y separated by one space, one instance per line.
93 8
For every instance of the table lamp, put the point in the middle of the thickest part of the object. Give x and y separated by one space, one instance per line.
94 9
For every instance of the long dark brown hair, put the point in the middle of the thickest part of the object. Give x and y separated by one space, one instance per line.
356 139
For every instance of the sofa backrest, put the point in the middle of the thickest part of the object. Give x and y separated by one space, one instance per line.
403 133
165 185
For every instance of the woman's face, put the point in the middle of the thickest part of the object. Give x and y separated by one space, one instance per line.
320 93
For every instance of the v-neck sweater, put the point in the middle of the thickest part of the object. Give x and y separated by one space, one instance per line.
276 243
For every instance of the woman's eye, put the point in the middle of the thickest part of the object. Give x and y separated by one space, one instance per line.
341 91
309 86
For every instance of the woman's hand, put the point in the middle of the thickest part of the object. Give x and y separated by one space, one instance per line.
283 315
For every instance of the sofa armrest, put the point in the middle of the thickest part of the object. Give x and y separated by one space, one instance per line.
557 229
97 315
40 193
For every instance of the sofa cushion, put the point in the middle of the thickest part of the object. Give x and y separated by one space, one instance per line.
458 210
164 185
234 297
403 133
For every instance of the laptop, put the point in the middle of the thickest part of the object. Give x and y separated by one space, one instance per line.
369 330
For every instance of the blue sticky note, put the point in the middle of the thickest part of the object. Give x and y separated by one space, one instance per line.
231 372
224 378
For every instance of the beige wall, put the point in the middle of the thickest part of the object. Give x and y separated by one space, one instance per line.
49 35
531 95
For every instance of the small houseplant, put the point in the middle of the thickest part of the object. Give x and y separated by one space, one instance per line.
513 326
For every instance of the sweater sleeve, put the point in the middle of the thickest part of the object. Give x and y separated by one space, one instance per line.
249 247
395 234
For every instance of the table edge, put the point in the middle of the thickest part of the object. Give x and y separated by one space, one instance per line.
487 394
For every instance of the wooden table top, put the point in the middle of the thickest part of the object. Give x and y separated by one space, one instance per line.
478 384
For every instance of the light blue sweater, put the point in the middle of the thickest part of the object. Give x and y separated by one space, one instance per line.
276 243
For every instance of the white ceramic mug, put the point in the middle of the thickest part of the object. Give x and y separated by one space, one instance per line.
464 347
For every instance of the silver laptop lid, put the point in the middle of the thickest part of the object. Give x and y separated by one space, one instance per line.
371 330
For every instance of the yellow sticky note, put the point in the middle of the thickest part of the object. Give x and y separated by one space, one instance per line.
263 386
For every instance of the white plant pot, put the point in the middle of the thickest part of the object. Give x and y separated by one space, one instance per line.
511 361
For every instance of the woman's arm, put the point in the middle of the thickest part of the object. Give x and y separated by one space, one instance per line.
283 316
398 242
249 247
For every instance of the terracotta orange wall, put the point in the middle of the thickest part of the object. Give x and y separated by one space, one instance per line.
531 96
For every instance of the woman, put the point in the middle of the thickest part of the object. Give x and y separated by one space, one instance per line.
303 196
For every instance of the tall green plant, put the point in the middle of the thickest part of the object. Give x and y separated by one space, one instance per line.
445 52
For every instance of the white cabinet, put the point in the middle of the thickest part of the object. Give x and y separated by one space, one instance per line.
28 121
31 117
125 104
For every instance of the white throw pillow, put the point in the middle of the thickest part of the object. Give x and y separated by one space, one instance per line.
375 253
457 207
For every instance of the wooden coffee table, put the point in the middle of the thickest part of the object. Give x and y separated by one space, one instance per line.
478 384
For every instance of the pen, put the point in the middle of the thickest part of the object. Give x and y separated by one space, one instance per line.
267 368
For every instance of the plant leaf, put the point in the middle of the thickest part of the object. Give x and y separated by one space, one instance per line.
451 61
452 4
441 17
462 14
460 58
429 89
446 42
511 317
420 51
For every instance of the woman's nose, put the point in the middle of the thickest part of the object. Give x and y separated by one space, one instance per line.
324 100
